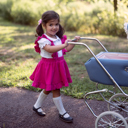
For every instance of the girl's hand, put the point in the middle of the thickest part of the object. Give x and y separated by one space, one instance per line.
66 42
77 38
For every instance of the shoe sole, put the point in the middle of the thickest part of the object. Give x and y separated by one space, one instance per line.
65 120
37 112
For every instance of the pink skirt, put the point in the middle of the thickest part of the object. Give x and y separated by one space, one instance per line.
51 74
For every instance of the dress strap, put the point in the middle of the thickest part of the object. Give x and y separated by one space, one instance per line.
54 55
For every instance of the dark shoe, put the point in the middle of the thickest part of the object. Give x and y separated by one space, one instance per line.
39 113
67 120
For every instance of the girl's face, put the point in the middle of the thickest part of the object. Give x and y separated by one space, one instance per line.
52 27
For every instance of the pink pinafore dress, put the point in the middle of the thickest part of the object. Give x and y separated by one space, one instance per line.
51 73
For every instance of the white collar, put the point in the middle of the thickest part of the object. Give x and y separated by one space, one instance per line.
53 39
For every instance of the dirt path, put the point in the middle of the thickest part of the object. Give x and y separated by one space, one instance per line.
16 111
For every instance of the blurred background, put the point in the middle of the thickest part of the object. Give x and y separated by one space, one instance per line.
101 19
86 16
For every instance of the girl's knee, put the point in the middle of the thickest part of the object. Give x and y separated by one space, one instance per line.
46 92
56 93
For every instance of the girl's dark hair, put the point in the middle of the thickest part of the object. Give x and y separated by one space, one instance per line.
46 17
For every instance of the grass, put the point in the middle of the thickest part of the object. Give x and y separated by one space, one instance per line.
18 58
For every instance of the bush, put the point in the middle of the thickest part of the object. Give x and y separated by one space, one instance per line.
94 18
111 25
73 15
5 9
24 12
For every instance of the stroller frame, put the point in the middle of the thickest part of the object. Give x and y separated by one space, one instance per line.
116 85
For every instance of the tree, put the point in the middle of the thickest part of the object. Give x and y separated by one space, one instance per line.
115 5
115 2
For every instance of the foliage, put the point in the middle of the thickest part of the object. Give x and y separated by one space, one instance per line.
23 14
95 17
5 9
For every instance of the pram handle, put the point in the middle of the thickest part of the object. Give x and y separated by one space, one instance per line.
88 38
80 43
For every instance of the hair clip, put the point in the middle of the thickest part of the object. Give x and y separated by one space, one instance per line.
40 21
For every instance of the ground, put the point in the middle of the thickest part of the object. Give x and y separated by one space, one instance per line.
16 110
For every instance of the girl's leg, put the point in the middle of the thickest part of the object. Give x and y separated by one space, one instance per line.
58 102
37 106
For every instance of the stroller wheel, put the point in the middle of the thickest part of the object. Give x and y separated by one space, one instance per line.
110 119
121 101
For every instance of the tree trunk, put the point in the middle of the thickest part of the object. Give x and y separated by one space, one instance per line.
115 5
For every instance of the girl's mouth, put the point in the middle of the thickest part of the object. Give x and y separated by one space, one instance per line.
54 31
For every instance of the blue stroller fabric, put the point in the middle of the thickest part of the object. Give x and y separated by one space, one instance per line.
117 68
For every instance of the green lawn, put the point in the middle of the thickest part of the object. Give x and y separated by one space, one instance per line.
18 58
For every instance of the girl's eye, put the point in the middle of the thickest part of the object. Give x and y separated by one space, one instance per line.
50 24
57 24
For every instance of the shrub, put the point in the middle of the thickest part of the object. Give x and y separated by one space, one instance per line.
5 9
24 12
74 17
94 18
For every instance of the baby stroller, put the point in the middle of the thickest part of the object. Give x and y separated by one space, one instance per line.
109 68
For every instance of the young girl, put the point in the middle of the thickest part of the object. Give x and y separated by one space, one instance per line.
52 72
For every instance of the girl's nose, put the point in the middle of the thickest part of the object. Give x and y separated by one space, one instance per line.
54 26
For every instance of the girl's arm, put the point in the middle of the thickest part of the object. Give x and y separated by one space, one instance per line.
52 49
70 47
